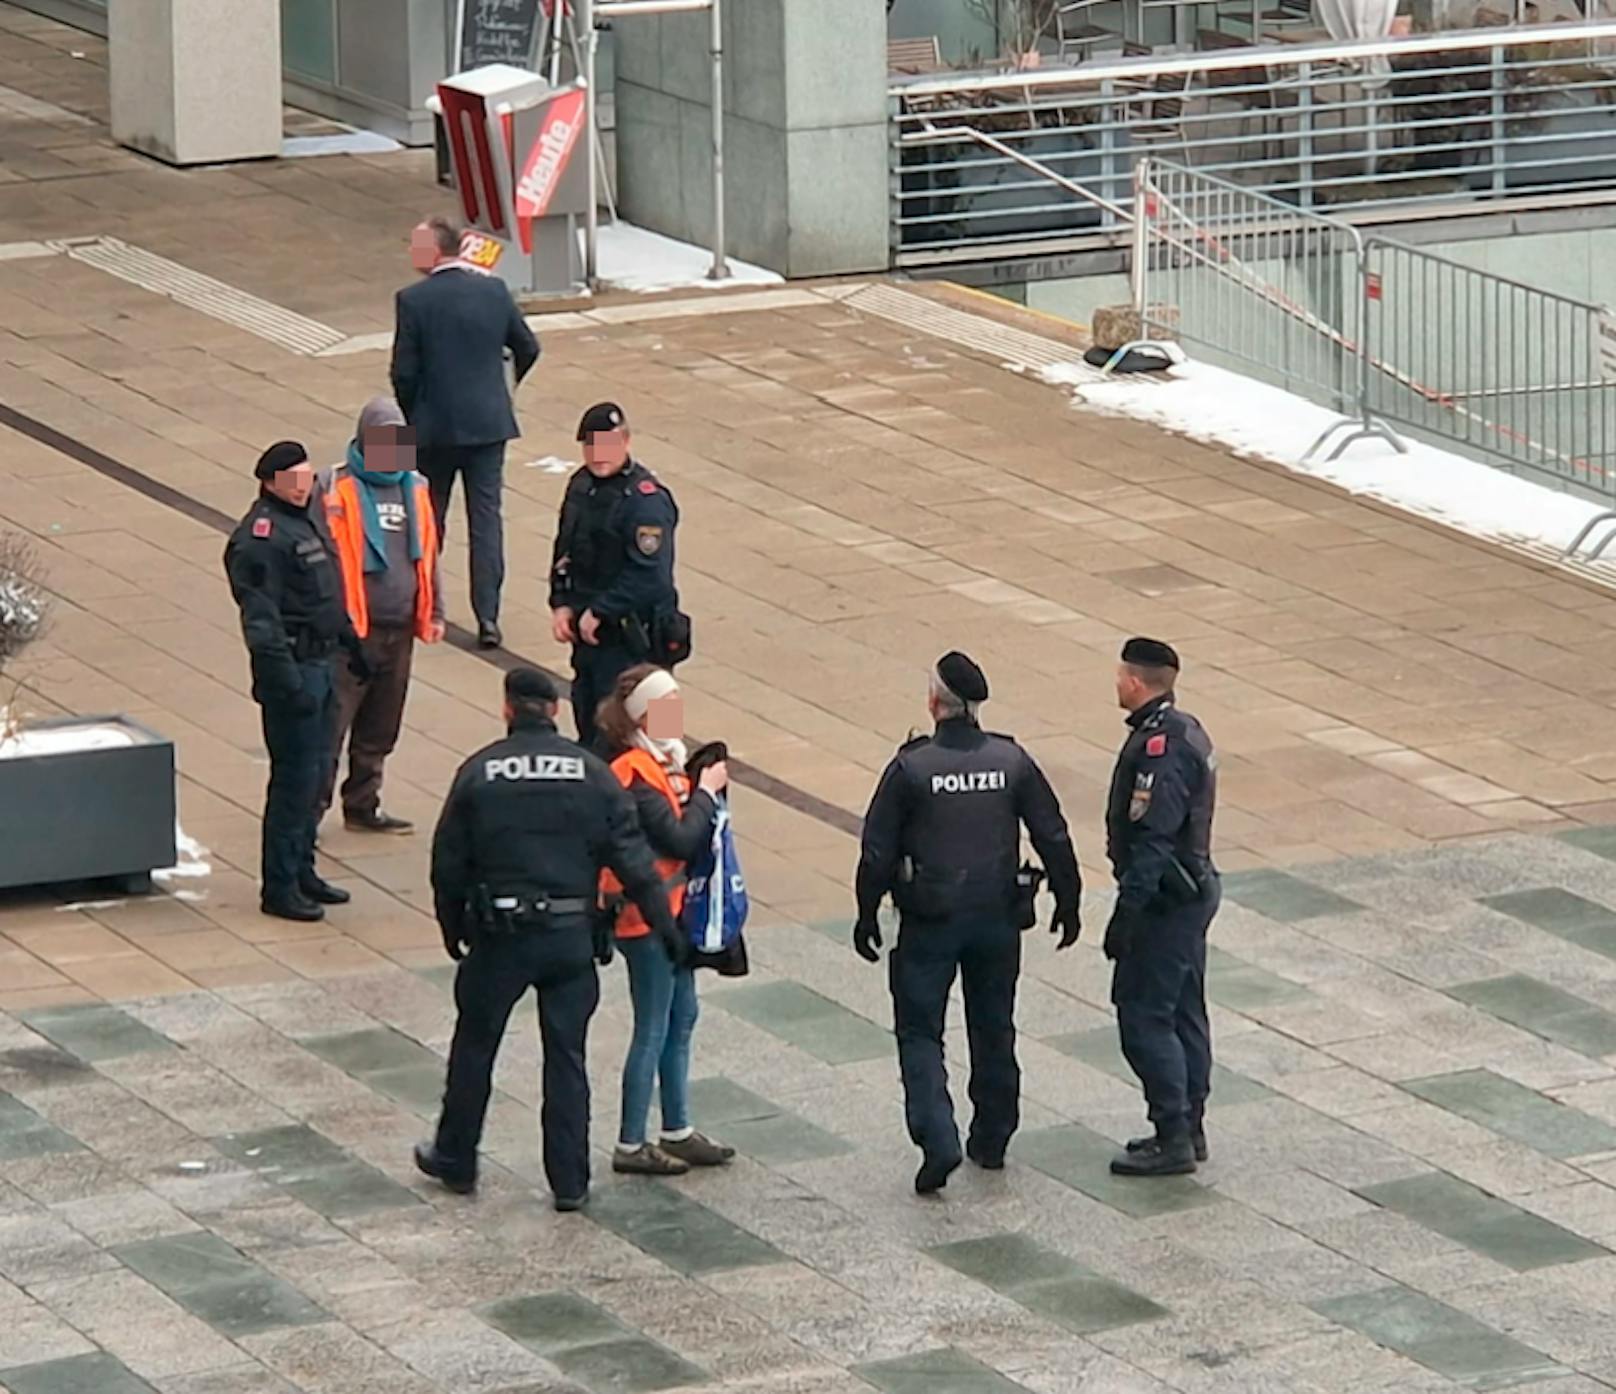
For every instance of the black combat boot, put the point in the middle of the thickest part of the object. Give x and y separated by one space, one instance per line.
429 1160
935 1171
1197 1141
1159 1156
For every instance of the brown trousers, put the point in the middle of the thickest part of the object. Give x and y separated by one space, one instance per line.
370 714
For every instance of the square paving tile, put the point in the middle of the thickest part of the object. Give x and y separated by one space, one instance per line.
186 1262
1233 983
718 1100
1006 1261
945 1371
1489 1226
803 1018
1277 895
80 1374
783 1139
95 1031
1100 1049
683 1233
319 1173
1544 1009
1514 1111
23 1133
219 1284
548 1322
1438 1337
630 1365
1601 842
1079 1158
363 1052
1558 912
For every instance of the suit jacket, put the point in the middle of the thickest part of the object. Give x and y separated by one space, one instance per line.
448 358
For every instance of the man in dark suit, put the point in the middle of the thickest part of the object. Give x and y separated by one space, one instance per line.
454 328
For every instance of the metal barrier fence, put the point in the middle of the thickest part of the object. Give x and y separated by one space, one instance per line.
1379 331
1424 119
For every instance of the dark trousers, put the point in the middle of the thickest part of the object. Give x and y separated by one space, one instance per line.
483 469
298 744
595 668
1159 991
491 981
987 956
369 716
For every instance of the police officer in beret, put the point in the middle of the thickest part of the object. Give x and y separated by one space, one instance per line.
516 862
285 579
1158 828
612 595
943 837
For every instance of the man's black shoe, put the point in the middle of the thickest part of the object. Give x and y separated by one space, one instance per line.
428 1161
567 1204
322 892
375 821
1197 1141
934 1173
488 635
985 1157
1158 1157
295 906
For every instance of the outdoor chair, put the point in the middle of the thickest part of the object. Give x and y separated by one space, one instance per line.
914 55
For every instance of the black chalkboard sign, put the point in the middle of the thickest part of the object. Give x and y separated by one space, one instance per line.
499 31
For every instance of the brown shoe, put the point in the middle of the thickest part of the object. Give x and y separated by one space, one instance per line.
647 1160
698 1151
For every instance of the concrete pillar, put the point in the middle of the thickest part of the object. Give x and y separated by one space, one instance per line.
196 81
806 162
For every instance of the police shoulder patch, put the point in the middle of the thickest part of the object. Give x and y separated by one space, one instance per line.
262 527
1157 744
648 540
648 486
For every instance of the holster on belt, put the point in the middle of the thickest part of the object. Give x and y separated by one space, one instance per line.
1028 880
603 927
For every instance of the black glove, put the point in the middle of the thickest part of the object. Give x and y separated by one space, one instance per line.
1068 923
303 703
867 940
455 942
1119 932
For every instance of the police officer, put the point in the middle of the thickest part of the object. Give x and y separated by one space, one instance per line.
516 861
1158 828
612 595
943 836
284 577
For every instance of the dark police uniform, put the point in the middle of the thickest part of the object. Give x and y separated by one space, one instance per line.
614 553
1159 840
284 578
943 835
516 860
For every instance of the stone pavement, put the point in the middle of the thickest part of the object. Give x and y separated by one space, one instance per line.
205 1116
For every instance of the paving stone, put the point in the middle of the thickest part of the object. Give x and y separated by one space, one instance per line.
1571 917
1240 986
717 1100
945 1371
1100 1048
1492 1227
80 1374
95 1031
782 1140
220 1284
628 1366
238 1379
1544 1009
316 1171
1517 1112
1277 895
801 1017
552 1321
23 1133
684 1234
365 1052
1079 1157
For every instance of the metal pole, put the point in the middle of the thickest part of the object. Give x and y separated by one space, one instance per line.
720 267
586 18
1141 236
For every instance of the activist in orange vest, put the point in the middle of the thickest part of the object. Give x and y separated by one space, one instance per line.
642 725
385 536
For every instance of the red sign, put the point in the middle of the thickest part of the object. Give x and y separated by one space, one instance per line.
465 121
547 161
1372 284
549 7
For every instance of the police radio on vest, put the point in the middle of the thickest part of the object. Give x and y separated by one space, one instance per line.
533 767
970 782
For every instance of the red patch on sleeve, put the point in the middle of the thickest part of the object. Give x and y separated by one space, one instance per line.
261 527
1156 745
648 486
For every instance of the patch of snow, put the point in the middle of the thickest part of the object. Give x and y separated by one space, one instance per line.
193 863
1215 406
633 258
64 740
347 143
89 905
553 464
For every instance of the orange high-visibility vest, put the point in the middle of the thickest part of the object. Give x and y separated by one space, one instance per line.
345 516
630 923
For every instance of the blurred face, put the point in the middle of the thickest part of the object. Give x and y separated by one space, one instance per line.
424 253
388 448
665 718
1132 693
292 486
606 452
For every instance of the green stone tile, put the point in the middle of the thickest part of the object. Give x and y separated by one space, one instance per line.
945 1371
632 1365
418 1087
683 1233
1229 1089
1601 842
95 1031
347 1188
271 1149
1514 1111
800 1017
1005 1262
23 1133
1239 986
1088 1303
46 1064
1544 1009
549 1322
1079 1158
1099 1049
1567 916
783 1139
98 1373
1438 1337
718 1100
361 1052
183 1263
1281 896
1489 1226
251 1305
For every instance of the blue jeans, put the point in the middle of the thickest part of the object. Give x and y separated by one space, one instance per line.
665 1011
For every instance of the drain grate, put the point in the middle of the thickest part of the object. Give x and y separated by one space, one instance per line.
214 298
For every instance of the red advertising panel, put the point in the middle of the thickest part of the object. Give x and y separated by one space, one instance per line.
465 121
546 162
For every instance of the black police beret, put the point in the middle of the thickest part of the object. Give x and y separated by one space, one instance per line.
530 685
1150 653
283 455
603 416
962 677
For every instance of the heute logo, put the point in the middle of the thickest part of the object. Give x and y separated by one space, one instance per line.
551 151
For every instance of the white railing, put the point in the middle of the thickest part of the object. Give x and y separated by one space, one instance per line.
1452 118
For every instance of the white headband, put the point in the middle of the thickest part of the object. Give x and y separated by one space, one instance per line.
652 686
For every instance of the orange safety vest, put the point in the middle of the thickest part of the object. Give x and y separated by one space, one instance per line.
630 923
345 516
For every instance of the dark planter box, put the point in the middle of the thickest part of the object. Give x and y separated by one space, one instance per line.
80 815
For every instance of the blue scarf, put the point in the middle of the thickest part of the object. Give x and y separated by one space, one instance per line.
375 540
